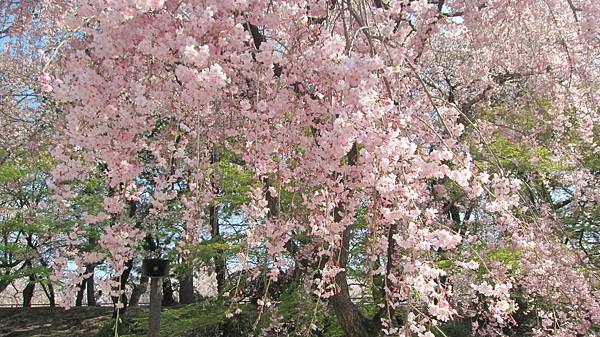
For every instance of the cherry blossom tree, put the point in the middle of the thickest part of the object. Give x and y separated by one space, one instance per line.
385 123
26 123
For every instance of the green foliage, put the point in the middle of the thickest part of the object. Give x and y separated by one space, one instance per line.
203 319
203 252
527 118
23 192
522 157
22 166
234 182
296 308
444 264
510 257
458 328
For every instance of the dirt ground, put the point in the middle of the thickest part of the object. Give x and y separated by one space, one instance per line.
38 322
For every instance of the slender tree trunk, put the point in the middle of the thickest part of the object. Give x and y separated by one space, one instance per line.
218 258
167 299
186 288
138 291
49 291
215 232
4 285
91 295
30 287
28 292
51 295
79 299
123 297
88 284
351 320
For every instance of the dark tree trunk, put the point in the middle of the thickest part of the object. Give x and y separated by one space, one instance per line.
123 298
138 291
30 287
51 296
79 299
351 320
215 232
28 292
186 288
3 285
167 299
218 258
91 294
88 284
49 291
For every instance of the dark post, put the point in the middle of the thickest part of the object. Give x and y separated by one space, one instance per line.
155 299
155 269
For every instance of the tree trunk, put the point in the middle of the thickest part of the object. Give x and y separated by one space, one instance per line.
91 296
123 297
168 299
351 320
79 299
215 233
88 284
4 285
28 292
51 296
49 291
138 291
186 288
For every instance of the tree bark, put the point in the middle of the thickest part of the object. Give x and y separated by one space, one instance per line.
186 288
138 291
215 232
49 291
218 258
80 292
28 292
351 320
167 299
89 285
123 297
51 295
3 285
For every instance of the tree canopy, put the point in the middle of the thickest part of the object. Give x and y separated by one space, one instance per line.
397 165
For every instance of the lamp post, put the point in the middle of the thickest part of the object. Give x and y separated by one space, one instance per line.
156 270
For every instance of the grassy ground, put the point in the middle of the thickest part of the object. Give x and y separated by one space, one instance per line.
199 319
55 322
202 319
